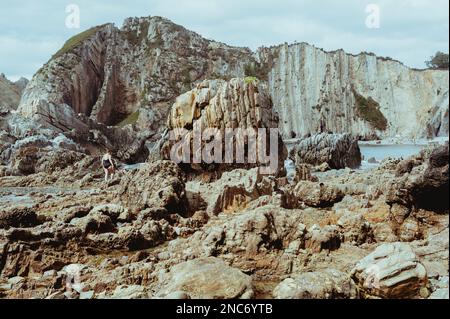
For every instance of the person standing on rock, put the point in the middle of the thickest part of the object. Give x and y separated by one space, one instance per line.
108 165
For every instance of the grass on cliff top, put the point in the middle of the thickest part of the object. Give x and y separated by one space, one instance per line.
130 119
369 110
251 79
74 41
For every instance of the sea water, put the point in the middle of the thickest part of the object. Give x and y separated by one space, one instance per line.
383 151
377 151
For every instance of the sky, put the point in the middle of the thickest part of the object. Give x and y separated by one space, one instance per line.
407 30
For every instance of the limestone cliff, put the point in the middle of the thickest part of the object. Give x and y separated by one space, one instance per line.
132 75
317 91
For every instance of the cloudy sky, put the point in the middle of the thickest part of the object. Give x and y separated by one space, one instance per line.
409 31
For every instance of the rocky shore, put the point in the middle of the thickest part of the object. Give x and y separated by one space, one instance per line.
317 226
162 230
153 233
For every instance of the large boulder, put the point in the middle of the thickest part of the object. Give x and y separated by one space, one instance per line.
327 238
18 217
337 150
252 233
225 106
232 192
327 284
391 271
423 181
207 278
318 194
156 185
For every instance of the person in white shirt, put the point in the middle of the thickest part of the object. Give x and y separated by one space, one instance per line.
108 165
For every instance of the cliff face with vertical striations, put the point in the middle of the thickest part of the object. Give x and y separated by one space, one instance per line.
316 91
239 105
126 76
132 75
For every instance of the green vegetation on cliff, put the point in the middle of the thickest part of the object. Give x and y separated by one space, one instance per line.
130 119
251 79
369 110
74 41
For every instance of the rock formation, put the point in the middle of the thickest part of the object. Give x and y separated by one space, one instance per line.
10 93
423 181
329 284
256 235
239 107
391 271
337 150
161 229
207 278
133 74
126 76
316 91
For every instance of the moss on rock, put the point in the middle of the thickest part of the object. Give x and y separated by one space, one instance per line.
76 40
369 110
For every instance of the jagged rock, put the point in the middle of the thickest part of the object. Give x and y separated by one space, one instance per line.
158 184
10 93
113 211
232 192
127 144
409 230
207 278
94 222
18 217
426 183
221 105
355 228
264 229
406 166
133 237
130 292
433 253
326 238
40 153
303 173
391 271
317 194
324 167
327 284
338 150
